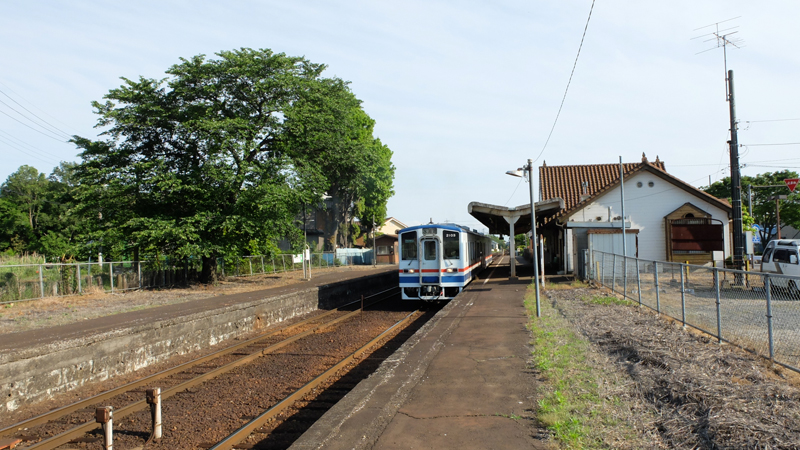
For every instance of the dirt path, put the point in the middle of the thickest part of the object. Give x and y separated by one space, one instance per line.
689 391
52 311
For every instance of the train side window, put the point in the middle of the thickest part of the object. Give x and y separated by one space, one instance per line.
451 245
409 245
429 250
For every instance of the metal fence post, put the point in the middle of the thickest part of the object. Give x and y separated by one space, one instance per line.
683 299
111 276
768 290
283 261
602 269
41 281
139 272
262 264
273 264
614 273
638 282
624 276
250 263
658 294
719 313
80 290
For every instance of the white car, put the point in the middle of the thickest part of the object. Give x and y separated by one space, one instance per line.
782 257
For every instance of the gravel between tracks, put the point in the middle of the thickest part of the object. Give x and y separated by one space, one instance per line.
217 407
686 390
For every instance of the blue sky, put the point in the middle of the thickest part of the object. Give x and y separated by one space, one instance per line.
461 91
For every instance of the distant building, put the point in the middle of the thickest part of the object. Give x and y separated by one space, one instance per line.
391 225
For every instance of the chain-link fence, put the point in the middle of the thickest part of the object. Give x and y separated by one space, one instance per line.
21 282
756 311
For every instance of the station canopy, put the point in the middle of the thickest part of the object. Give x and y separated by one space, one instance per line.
496 218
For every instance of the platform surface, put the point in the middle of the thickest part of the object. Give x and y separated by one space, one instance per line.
462 381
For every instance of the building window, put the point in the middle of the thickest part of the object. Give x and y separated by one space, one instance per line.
383 250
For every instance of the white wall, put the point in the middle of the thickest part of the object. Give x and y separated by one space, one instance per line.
645 208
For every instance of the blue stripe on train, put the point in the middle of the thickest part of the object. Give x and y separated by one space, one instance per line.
445 279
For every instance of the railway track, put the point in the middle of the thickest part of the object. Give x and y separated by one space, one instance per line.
265 370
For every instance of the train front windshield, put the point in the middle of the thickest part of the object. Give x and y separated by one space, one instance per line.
451 244
409 245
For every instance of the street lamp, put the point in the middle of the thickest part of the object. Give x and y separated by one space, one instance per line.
521 173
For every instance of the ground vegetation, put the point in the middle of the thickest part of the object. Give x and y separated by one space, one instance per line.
617 375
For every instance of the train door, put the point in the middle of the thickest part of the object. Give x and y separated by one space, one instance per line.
430 273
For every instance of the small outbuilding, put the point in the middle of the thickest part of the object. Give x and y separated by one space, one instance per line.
386 246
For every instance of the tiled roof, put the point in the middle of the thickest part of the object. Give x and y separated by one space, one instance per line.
566 182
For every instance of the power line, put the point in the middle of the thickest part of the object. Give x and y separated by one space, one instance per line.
568 83
31 147
34 106
34 129
11 145
34 115
761 145
771 120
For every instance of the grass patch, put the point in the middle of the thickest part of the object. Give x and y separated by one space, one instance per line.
607 300
571 404
574 284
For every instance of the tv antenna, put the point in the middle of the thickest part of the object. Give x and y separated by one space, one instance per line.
721 38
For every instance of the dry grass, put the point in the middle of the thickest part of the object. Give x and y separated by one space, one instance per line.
690 391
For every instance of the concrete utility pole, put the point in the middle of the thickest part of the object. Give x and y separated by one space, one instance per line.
736 185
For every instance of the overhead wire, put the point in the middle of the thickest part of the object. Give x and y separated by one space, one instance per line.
58 130
34 129
563 99
27 153
29 146
8 88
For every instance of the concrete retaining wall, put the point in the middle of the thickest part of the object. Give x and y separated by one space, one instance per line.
35 374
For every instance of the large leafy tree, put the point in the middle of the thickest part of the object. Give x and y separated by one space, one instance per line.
764 211
197 164
330 139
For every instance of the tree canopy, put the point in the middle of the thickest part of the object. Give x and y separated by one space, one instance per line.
764 213
219 157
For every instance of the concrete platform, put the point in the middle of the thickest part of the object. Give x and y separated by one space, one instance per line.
36 364
462 381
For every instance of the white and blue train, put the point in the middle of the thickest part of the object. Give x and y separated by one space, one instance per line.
437 261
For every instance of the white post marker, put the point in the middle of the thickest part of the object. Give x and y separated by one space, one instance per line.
104 416
154 400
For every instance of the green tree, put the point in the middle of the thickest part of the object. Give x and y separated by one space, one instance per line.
196 164
26 188
330 139
764 212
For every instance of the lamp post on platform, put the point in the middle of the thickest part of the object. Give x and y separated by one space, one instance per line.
526 171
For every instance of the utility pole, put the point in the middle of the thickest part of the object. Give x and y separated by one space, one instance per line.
736 185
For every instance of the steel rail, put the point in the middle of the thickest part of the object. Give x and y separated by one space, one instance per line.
77 431
246 430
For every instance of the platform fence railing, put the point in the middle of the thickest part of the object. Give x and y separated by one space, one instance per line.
757 311
27 282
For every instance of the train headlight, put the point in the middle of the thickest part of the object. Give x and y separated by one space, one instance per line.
409 271
451 270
